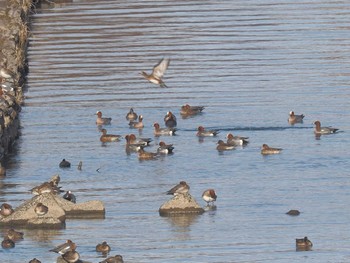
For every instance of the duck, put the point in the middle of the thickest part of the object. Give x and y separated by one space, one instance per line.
40 209
319 130
46 187
72 255
115 259
293 212
63 248
132 147
6 209
165 148
209 196
202 132
131 115
188 110
269 150
158 72
170 120
109 137
64 164
102 120
163 131
303 244
7 243
143 155
69 196
180 188
103 247
222 146
137 124
237 140
55 179
14 235
295 118
143 141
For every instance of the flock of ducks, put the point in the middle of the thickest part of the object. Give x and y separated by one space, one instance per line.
138 145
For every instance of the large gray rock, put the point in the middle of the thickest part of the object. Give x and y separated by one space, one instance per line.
181 204
59 209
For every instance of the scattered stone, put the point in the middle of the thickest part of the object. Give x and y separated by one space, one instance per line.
181 204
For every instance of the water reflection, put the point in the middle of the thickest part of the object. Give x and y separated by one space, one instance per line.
42 235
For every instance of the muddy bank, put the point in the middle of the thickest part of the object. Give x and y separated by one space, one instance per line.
14 32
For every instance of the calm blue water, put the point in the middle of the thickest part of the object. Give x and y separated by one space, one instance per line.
249 64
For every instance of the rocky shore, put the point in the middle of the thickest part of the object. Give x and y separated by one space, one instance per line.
14 28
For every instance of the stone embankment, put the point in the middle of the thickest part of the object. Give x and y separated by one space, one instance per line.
14 32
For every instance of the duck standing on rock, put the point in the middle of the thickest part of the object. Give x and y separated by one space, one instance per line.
181 188
40 209
69 196
6 209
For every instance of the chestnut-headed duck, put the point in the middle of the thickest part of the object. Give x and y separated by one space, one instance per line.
109 137
137 124
209 196
223 146
165 148
163 131
237 140
143 155
319 130
202 132
181 188
170 120
131 115
144 141
158 72
132 146
72 255
295 118
102 120
265 149
303 244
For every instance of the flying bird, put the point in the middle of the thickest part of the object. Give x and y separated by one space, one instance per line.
158 72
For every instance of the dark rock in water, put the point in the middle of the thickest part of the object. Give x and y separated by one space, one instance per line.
293 212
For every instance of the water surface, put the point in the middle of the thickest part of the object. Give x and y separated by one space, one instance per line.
249 64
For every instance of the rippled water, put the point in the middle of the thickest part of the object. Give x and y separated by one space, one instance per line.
249 63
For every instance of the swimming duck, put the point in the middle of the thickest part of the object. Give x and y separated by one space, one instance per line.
158 72
222 146
115 259
188 110
131 115
294 118
132 147
163 131
7 243
137 124
202 132
181 188
165 148
237 140
143 155
63 248
269 150
143 141
209 196
102 120
303 244
109 137
14 235
72 255
64 164
103 247
170 120
323 130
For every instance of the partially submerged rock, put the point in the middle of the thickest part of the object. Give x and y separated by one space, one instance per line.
181 204
59 209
